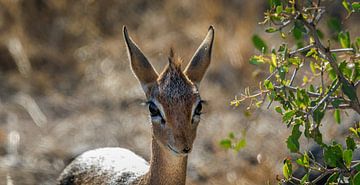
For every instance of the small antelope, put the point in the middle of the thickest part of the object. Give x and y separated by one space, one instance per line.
175 108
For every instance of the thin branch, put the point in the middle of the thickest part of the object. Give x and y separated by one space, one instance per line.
293 76
342 106
311 94
323 174
301 49
325 98
355 165
342 50
272 74
357 84
322 77
268 106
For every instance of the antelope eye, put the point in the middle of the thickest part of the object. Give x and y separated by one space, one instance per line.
198 109
154 111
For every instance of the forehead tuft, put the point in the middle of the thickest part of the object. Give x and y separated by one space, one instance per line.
174 85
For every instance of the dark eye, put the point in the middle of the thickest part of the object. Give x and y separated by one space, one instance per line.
198 109
154 111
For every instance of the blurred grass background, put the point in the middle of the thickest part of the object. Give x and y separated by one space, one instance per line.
66 85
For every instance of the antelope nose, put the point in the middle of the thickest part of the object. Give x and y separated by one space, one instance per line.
186 150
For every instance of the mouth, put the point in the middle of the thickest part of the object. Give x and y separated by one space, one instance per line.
175 151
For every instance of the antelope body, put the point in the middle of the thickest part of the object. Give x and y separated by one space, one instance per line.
175 108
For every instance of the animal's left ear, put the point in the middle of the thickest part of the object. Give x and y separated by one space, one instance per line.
196 69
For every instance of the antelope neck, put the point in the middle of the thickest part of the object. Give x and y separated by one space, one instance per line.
165 167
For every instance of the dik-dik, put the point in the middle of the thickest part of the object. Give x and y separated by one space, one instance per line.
175 108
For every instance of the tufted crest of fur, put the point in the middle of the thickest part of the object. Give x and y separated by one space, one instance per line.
172 82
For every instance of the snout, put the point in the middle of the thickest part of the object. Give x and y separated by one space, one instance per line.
186 150
183 151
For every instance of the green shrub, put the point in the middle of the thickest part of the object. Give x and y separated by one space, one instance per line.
303 99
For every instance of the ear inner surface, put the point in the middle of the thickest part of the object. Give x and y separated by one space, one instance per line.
142 68
201 59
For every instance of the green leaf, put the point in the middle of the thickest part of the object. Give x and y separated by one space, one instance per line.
299 25
241 144
256 60
282 72
347 156
350 143
354 131
346 5
334 24
304 179
295 61
320 34
337 116
356 6
293 144
225 143
231 135
268 85
279 9
336 102
287 169
356 179
318 115
333 178
274 3
259 43
333 155
288 115
317 136
271 30
303 160
357 43
278 109
349 92
311 52
283 35
344 39
293 140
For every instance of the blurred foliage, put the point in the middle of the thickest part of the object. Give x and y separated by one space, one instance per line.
232 142
302 100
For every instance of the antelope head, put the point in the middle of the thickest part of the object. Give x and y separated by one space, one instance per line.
173 96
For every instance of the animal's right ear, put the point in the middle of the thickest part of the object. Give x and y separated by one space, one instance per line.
143 70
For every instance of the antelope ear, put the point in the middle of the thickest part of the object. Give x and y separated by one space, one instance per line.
143 70
196 69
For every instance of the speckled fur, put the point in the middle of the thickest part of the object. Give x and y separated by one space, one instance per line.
105 166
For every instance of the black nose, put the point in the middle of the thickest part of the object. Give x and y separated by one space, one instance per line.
186 150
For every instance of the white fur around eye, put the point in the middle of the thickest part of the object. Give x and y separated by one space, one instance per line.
156 119
196 119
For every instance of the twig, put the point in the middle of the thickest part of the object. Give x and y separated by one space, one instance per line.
357 84
355 165
293 76
301 49
322 77
272 74
325 98
311 94
342 50
328 171
268 106
342 106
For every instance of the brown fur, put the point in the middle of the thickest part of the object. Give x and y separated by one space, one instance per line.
175 94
